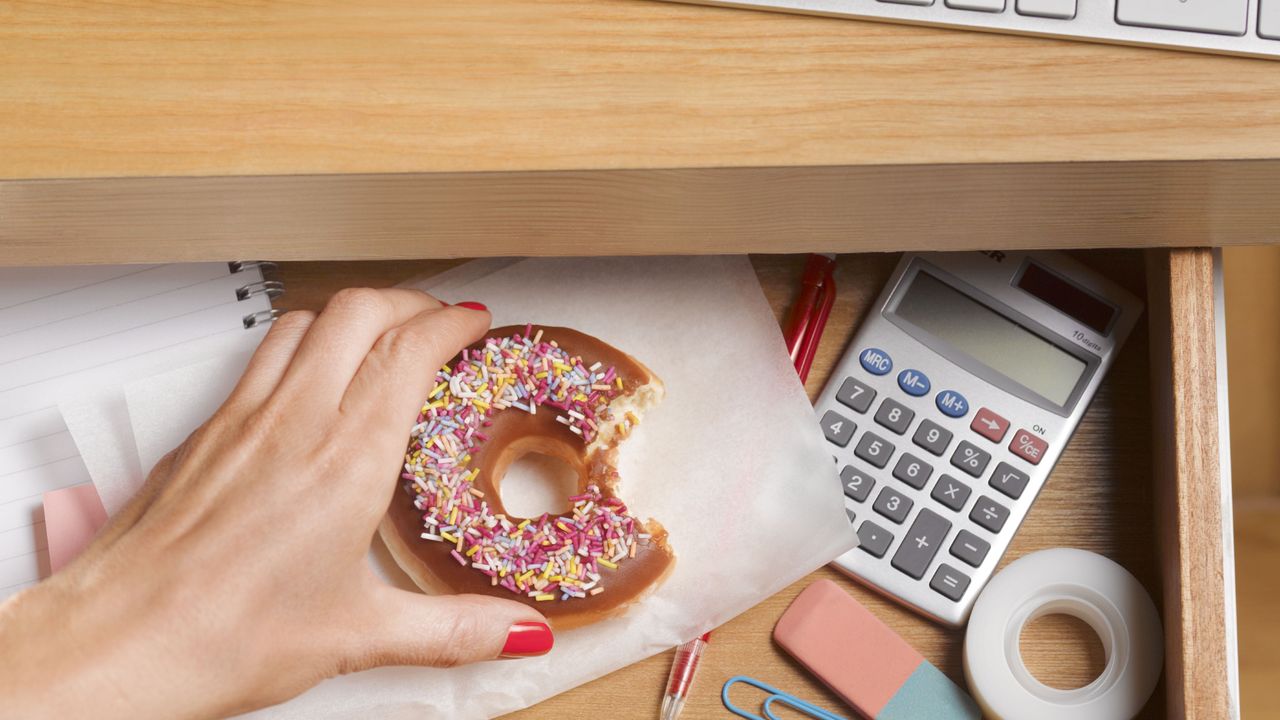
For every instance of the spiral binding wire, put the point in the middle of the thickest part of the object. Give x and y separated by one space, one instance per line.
272 289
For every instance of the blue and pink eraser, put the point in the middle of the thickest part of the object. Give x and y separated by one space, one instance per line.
863 661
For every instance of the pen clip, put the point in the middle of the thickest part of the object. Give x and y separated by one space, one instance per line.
774 695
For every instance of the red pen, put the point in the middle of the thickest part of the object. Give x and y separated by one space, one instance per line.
816 269
809 348
683 668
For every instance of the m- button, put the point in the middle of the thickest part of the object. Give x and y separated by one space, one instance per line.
1028 447
989 425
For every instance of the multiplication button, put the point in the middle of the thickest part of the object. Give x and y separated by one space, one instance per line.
855 395
952 493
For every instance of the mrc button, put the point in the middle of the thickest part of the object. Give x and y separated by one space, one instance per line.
913 382
952 403
876 361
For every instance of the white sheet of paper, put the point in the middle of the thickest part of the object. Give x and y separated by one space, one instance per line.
732 463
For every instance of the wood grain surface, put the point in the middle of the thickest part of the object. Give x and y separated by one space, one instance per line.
247 87
1100 498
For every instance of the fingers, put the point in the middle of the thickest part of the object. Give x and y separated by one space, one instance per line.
337 342
398 373
408 628
270 360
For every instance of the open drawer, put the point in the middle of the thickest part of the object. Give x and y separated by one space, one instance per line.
1145 481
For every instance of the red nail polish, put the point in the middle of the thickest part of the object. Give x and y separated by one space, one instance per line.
528 639
472 305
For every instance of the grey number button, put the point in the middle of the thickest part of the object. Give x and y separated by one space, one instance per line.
1009 480
951 492
874 539
894 415
893 505
912 470
874 449
950 582
989 514
921 543
838 428
855 395
857 484
970 548
970 458
932 437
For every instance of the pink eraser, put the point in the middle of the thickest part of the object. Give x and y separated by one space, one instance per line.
72 517
837 639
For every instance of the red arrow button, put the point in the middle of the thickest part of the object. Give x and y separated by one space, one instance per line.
989 425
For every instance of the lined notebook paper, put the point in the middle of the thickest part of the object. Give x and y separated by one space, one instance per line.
74 330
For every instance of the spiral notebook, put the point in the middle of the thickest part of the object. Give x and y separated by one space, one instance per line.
66 331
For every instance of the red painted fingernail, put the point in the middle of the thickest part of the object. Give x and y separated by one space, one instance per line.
472 305
528 639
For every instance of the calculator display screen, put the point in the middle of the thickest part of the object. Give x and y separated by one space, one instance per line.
990 338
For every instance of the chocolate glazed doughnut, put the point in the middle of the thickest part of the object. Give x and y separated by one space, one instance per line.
547 390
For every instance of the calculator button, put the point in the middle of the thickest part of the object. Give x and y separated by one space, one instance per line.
950 582
989 425
970 548
876 361
857 484
893 505
989 514
912 470
1269 20
1060 9
1028 446
1221 17
970 458
874 539
952 404
932 437
951 492
1009 480
982 5
874 449
894 415
838 428
914 383
855 395
921 543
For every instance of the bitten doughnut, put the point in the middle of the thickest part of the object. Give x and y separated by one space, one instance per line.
548 390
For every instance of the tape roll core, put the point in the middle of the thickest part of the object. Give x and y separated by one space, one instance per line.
1071 582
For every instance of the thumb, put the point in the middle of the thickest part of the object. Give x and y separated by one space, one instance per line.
408 628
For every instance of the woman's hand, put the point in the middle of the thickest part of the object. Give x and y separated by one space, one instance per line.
237 577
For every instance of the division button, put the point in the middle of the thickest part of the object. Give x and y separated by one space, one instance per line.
952 493
989 514
876 361
874 539
855 395
838 428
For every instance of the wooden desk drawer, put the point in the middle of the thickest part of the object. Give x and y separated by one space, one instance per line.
1143 481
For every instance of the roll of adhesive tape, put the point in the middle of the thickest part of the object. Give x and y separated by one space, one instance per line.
1069 582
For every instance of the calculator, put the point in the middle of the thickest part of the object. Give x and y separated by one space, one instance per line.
951 406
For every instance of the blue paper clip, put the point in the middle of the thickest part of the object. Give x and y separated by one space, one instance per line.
774 695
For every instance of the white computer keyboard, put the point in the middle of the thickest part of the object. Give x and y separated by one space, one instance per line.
1237 27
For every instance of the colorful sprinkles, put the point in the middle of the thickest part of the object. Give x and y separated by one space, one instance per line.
544 558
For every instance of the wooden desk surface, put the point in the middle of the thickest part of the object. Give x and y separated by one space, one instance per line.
137 88
1100 499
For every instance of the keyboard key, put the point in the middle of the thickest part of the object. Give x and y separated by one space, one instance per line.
950 582
989 514
989 425
1061 9
838 428
1009 480
893 505
1028 447
894 415
983 5
857 484
914 383
952 493
970 458
855 395
874 539
1221 17
876 361
932 437
1269 19
912 470
874 449
921 543
952 403
970 548
909 2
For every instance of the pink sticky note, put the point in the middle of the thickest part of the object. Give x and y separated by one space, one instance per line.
72 517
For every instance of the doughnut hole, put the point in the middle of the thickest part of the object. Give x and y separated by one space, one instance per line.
1062 651
537 475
